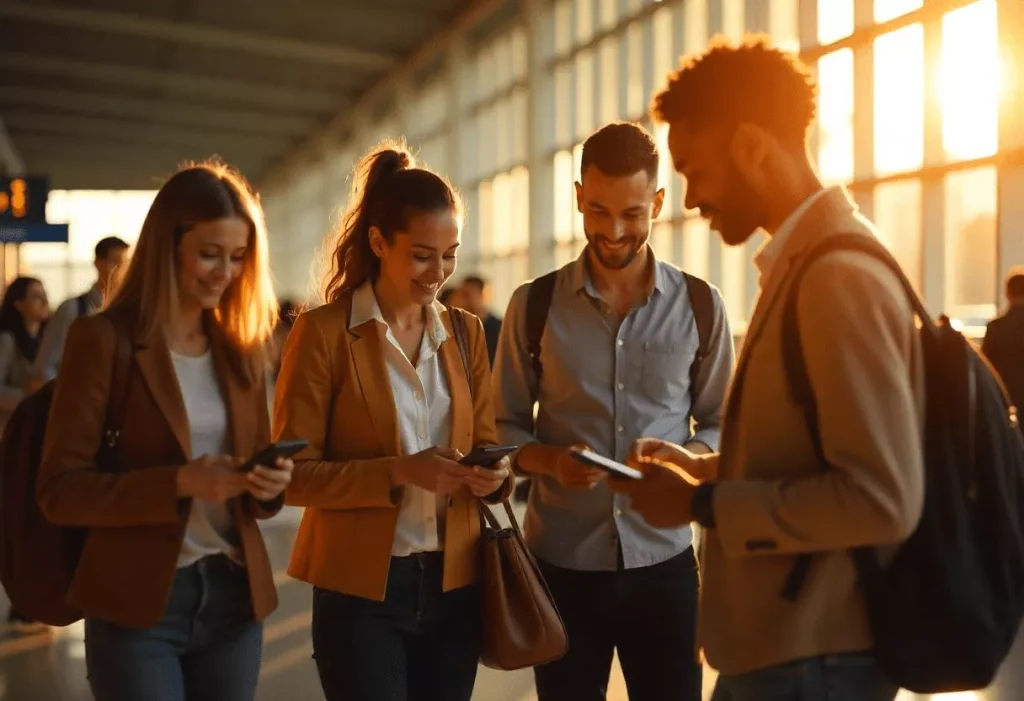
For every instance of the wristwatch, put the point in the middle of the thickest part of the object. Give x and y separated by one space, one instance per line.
702 504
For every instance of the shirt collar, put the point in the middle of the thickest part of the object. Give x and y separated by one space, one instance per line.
365 308
769 252
581 279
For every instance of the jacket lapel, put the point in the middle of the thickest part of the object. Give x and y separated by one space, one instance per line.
458 387
154 360
372 375
238 396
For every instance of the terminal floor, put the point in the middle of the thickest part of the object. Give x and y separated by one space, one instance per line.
51 666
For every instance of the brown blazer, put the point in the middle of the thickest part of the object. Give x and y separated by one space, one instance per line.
137 522
334 391
772 502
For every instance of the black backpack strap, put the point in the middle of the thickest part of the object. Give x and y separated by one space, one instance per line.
703 305
83 304
538 302
800 384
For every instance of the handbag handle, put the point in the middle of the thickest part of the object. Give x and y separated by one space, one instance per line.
459 330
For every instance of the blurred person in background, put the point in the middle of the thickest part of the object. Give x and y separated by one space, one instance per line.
23 316
174 581
476 295
1004 339
111 253
375 380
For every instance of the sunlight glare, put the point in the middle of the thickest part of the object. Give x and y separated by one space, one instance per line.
899 100
969 81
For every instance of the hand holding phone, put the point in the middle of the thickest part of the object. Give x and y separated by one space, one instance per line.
269 455
612 467
488 455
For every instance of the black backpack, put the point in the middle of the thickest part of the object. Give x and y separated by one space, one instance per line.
542 290
945 610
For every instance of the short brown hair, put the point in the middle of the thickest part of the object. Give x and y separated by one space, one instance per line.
620 149
752 82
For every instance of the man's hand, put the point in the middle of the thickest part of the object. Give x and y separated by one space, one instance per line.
647 451
662 496
572 474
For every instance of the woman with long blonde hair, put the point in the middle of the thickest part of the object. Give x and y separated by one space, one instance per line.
174 579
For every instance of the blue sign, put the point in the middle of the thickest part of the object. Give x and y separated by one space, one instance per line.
33 233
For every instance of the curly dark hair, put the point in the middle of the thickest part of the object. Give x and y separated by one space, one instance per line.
751 82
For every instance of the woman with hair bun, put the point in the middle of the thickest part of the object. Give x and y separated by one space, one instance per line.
375 381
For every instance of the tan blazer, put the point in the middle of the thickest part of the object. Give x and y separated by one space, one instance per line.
137 522
772 503
334 391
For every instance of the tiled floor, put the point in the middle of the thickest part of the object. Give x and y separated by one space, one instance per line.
51 666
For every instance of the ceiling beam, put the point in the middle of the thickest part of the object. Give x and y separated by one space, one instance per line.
69 150
268 95
10 159
208 36
316 143
201 143
163 111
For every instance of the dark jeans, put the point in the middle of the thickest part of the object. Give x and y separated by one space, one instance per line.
829 678
648 613
206 648
419 644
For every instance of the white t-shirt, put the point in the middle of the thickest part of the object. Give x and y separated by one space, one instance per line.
211 528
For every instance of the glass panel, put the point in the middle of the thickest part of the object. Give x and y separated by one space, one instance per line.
733 21
584 94
609 13
886 10
519 54
897 214
608 79
502 215
634 71
501 52
835 20
563 27
563 107
835 120
502 134
565 195
696 247
520 214
784 24
666 174
485 218
661 241
899 100
664 47
695 26
584 20
969 81
734 281
520 125
971 282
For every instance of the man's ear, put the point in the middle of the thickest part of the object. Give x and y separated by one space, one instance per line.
657 203
748 147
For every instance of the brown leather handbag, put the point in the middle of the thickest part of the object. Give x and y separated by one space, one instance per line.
521 625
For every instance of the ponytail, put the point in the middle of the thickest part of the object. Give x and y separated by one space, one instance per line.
387 190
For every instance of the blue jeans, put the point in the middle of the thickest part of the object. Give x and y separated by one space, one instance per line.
828 678
419 644
206 648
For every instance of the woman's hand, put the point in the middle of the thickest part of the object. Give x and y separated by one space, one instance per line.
213 478
433 469
268 483
485 481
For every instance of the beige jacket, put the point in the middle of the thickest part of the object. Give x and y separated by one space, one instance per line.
864 362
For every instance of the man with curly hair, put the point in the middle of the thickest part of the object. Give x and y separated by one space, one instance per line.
776 622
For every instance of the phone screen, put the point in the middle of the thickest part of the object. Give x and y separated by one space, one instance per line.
588 457
487 456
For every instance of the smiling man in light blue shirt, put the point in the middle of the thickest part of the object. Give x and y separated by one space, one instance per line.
616 355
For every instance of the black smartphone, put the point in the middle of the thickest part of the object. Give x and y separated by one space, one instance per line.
487 455
592 459
269 455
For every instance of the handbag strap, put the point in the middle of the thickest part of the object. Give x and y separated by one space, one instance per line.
117 408
459 330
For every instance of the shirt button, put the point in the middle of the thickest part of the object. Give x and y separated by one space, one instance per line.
423 435
621 343
618 512
621 386
419 395
621 429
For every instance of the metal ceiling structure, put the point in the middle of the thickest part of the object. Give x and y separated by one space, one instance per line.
113 94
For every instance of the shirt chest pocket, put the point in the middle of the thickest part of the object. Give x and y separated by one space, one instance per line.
661 371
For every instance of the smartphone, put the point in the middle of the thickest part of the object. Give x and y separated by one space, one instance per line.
269 455
488 455
592 459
